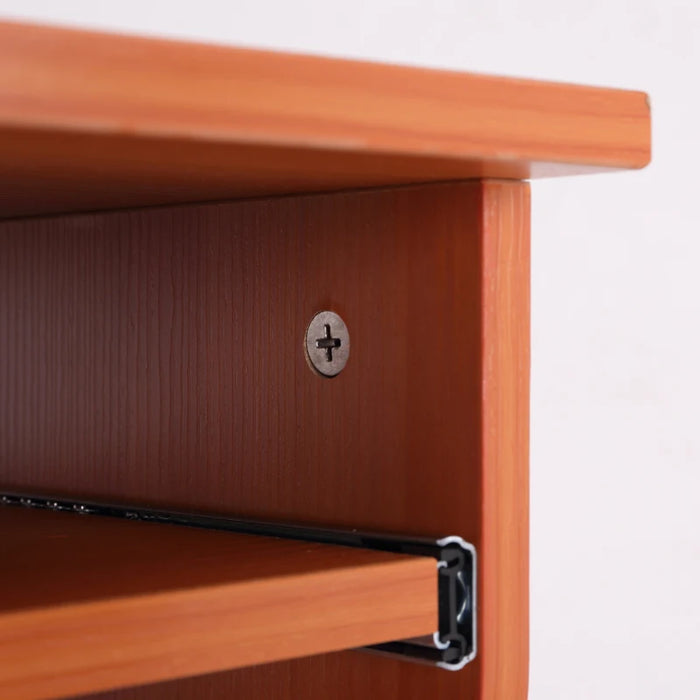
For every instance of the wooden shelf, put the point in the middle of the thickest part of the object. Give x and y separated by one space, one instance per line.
93 121
89 603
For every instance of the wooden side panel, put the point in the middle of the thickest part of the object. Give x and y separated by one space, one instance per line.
505 440
89 603
157 357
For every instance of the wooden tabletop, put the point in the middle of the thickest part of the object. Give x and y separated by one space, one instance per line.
91 121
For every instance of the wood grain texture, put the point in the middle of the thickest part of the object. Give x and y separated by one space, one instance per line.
505 440
156 357
94 121
89 603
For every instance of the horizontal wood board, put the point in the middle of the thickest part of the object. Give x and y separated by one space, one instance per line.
90 602
92 121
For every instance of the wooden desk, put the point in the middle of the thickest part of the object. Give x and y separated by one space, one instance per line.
153 354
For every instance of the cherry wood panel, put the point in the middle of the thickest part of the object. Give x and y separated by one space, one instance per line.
88 602
157 357
90 121
505 439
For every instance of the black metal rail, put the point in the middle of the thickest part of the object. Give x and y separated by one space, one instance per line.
452 645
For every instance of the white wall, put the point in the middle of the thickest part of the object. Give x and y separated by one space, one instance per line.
616 308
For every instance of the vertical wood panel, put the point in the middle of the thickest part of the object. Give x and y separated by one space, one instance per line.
504 574
156 356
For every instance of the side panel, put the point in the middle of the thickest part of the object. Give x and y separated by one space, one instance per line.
505 440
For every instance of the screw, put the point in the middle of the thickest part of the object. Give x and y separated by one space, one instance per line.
327 343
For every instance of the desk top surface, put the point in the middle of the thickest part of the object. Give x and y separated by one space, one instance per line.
93 121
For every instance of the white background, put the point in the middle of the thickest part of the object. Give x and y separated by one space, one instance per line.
616 308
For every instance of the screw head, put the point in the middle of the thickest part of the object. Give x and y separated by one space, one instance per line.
327 343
